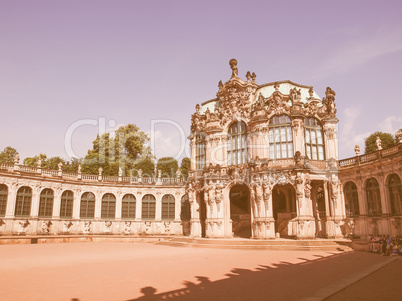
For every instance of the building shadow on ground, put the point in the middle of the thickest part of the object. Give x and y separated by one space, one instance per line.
282 281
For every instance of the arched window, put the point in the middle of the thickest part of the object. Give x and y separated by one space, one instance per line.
3 199
395 193
185 214
351 199
108 206
199 151
313 139
373 197
148 206
23 203
128 206
168 207
46 203
237 143
87 209
66 205
280 137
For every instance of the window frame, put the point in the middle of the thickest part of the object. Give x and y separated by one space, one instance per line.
237 147
46 203
280 137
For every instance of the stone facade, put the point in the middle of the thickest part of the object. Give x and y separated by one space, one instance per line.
37 201
371 185
264 162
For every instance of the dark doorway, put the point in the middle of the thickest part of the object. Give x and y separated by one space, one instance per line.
240 211
284 207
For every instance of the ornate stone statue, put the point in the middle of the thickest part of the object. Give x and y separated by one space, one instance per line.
357 150
79 168
60 166
307 187
398 136
178 173
39 163
100 170
16 158
378 143
233 66
159 173
139 173
87 227
46 226
120 172
299 189
127 227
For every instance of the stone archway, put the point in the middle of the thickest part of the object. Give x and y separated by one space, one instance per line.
240 212
284 207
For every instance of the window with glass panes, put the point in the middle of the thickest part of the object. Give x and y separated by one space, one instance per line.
108 206
66 205
46 203
200 151
351 199
185 214
373 197
237 143
313 139
148 206
395 193
280 137
87 209
23 202
128 206
3 199
168 207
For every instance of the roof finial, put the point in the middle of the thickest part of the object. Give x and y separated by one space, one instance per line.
233 66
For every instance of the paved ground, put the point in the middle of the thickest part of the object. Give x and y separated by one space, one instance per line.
141 271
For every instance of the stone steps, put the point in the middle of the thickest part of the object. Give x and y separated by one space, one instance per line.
250 244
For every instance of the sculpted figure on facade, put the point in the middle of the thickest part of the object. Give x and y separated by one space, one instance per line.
357 150
233 66
16 158
127 227
22 226
299 189
307 187
328 108
87 227
108 226
398 135
378 143
60 166
334 189
219 194
46 227
67 226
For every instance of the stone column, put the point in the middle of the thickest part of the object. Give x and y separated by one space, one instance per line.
57 203
177 207
330 138
77 204
11 199
35 201
98 205
138 206
158 207
298 136
119 200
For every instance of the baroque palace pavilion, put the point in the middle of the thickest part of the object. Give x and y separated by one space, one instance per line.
264 164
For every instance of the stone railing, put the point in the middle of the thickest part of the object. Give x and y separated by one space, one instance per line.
48 173
368 158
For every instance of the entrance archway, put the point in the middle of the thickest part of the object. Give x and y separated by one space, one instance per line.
284 207
240 213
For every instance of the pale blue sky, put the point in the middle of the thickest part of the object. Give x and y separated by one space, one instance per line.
138 61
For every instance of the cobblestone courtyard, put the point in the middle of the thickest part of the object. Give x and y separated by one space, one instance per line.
142 271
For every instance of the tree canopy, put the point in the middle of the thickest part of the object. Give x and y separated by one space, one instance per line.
53 162
387 140
8 155
168 166
121 150
185 166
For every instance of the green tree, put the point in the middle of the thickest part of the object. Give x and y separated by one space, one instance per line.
387 140
121 150
72 165
33 161
168 166
8 155
185 166
146 164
